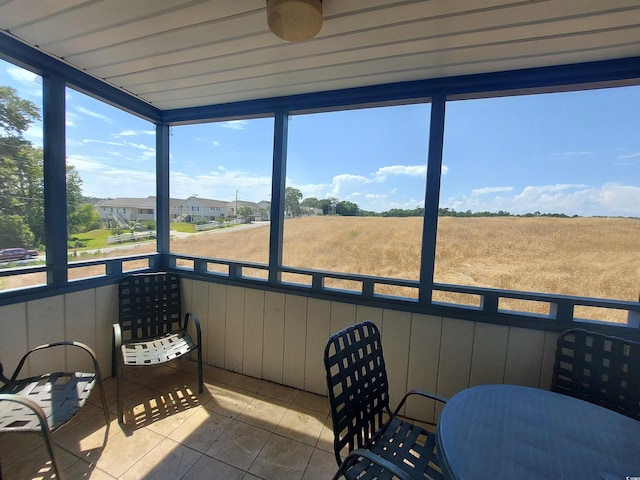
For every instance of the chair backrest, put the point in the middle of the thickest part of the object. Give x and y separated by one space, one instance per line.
149 305
600 369
358 385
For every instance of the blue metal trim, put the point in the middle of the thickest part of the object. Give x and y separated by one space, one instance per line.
163 206
531 78
55 174
276 226
432 198
28 57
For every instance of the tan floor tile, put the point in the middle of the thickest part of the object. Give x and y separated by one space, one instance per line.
302 425
218 376
37 464
239 444
279 392
123 451
249 384
166 461
86 471
201 430
312 401
322 466
147 407
325 441
264 412
87 440
282 459
227 401
146 375
14 446
208 468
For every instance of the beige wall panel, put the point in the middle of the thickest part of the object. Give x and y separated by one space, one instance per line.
106 316
272 356
45 324
198 304
80 326
215 321
524 357
489 358
253 332
455 356
13 336
365 312
396 337
318 326
295 333
424 355
234 329
548 358
186 286
343 315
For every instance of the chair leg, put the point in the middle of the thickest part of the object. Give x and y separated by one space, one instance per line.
119 372
49 443
200 380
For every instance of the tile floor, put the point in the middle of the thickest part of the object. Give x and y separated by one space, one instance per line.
239 428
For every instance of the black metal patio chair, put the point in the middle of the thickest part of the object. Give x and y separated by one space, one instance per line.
150 330
600 369
378 444
44 403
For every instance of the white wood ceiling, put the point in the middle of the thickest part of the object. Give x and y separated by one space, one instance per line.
183 53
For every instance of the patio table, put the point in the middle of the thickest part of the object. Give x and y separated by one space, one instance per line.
514 432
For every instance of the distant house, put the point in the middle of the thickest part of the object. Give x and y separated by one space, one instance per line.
259 211
119 212
195 208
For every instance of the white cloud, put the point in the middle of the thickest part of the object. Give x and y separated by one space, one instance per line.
234 124
132 133
221 185
406 170
610 199
31 83
630 155
93 114
215 143
488 190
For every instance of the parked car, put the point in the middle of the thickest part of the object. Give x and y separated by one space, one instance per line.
9 254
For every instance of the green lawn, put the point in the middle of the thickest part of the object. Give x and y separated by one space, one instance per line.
91 240
183 227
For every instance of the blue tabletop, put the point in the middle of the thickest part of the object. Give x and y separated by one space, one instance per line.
520 433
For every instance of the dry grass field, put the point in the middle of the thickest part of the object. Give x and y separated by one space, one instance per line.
593 257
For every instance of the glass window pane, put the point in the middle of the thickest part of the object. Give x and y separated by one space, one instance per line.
220 185
22 242
355 192
541 193
111 183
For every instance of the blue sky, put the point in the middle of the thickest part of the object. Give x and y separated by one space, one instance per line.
574 153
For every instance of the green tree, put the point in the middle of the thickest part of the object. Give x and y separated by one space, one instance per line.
292 198
310 202
347 209
16 114
84 219
21 180
14 232
245 212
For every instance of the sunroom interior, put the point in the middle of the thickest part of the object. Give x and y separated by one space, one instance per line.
184 63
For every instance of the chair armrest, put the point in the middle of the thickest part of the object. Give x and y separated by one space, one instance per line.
421 393
79 345
373 458
196 322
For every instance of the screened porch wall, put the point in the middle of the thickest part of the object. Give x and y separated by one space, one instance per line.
281 337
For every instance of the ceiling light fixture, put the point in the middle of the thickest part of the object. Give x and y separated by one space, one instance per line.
294 20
